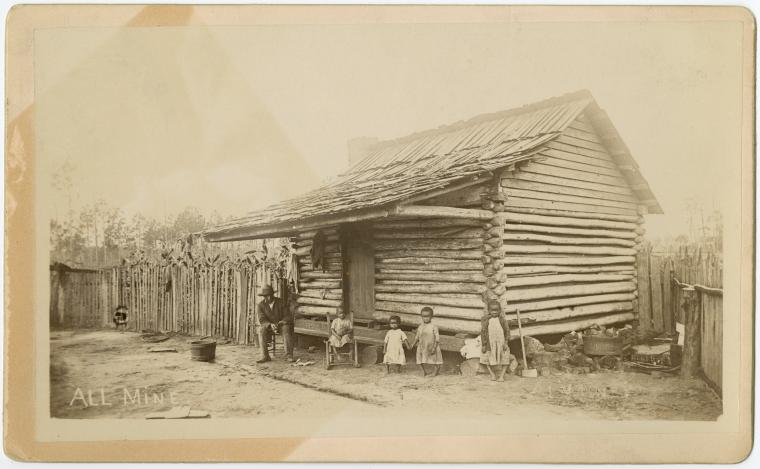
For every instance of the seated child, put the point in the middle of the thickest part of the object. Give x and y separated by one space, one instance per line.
341 332
494 337
428 343
120 317
393 347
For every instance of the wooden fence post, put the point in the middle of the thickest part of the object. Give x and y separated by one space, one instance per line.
667 296
54 282
644 291
216 300
242 306
103 299
254 329
655 285
691 343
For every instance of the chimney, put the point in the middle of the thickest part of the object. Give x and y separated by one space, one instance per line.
358 149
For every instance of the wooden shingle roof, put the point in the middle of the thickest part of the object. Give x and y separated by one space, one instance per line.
396 170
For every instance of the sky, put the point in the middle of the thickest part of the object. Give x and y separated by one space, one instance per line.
230 119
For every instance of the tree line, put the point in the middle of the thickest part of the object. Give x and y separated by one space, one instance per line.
100 235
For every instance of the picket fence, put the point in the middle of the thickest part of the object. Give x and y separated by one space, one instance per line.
195 300
81 298
661 278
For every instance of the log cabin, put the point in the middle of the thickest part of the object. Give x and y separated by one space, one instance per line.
539 207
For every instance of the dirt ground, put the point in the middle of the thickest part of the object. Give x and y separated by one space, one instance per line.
109 374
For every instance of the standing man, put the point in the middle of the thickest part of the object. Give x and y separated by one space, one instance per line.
273 315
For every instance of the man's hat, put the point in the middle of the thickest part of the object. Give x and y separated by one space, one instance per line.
267 290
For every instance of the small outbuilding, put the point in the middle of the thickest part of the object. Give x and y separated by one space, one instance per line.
539 207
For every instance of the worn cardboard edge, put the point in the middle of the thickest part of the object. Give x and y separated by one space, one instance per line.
19 437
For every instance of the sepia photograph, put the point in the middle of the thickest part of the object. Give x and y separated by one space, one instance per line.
363 221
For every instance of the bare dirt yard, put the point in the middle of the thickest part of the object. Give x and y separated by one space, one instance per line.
109 374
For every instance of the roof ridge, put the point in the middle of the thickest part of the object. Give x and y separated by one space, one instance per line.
575 95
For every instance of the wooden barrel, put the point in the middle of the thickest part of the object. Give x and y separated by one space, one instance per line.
203 350
370 354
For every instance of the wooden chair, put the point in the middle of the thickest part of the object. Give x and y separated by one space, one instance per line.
276 341
351 356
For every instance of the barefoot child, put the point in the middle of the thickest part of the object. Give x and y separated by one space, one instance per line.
393 347
428 343
494 337
341 332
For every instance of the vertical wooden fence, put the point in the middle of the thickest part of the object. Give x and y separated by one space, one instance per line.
194 300
81 298
661 277
201 300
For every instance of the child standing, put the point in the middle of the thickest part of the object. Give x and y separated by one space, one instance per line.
428 343
341 332
393 347
494 337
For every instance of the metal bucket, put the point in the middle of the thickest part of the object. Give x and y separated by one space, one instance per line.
203 350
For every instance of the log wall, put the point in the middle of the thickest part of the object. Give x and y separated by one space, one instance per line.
430 262
320 290
572 233
562 247
575 173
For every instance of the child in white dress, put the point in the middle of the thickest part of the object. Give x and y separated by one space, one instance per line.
428 342
393 347
494 338
341 332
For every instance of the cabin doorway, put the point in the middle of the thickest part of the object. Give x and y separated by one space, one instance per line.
359 271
